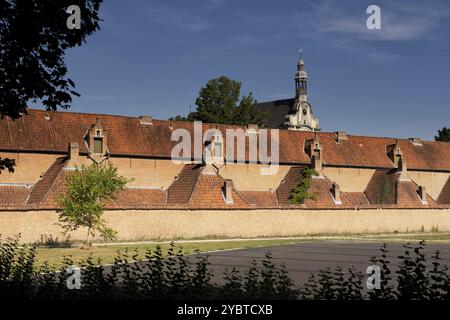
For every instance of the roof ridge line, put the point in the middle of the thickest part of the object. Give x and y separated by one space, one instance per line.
214 124
52 185
54 164
194 188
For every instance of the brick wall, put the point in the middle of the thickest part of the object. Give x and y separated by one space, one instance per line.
171 224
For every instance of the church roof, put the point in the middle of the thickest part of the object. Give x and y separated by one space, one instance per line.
278 110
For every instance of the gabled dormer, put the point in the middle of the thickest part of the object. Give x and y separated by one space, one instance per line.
395 153
96 141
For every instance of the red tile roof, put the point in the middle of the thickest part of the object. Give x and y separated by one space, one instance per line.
289 182
181 188
406 194
444 197
42 188
357 198
260 198
198 188
386 188
13 195
127 136
135 198
208 194
320 188
381 187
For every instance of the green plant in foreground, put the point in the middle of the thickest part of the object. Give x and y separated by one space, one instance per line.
178 277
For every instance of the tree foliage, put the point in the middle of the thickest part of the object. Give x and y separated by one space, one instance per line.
443 135
301 192
220 102
157 275
89 189
171 275
7 163
33 40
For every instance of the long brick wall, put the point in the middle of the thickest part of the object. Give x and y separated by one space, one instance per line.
175 224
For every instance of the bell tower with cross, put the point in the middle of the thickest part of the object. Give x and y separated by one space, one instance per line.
301 117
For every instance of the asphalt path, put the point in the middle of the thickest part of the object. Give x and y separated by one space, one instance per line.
304 259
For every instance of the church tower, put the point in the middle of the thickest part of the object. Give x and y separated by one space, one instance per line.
301 116
301 82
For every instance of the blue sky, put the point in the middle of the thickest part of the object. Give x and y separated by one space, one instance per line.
152 57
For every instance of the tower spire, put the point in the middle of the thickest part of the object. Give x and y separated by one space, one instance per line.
301 80
300 116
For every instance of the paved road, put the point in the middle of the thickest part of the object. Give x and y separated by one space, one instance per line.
306 258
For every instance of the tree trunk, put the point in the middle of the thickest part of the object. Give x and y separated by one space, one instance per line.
86 243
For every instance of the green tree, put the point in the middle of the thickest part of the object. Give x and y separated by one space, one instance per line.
33 40
179 118
89 189
301 192
443 135
220 101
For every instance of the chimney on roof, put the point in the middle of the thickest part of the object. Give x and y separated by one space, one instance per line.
402 169
422 194
148 120
316 154
416 141
74 154
228 190
316 164
336 193
340 136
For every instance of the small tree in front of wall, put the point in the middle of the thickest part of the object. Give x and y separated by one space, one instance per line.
301 192
89 189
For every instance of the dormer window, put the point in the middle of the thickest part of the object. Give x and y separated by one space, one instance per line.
96 141
98 145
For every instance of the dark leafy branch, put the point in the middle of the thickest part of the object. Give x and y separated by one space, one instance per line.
33 41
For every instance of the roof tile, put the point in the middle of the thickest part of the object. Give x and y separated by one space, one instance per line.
127 136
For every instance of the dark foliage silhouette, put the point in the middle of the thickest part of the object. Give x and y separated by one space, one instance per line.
179 277
33 40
